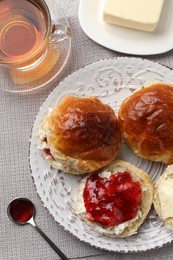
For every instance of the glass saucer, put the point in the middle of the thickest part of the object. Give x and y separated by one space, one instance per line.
24 80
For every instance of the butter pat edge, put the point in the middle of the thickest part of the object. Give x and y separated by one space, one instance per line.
123 13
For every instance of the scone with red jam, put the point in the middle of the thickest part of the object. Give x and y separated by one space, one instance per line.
116 200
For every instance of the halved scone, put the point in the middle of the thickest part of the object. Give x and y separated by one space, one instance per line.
116 200
163 197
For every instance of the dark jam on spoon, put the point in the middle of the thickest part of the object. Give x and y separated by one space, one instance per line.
21 210
112 201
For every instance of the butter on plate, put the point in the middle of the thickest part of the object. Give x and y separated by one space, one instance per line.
137 14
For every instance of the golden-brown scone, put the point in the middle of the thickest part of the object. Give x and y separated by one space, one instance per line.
163 197
146 121
126 228
80 135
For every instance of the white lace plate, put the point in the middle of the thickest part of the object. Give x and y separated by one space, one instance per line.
111 81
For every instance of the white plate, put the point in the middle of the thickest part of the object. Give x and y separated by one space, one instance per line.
111 81
123 39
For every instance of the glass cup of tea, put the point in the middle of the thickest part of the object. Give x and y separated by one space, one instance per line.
32 34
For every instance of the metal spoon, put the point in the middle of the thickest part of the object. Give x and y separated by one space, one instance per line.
22 211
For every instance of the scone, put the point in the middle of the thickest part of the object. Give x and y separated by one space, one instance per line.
146 121
163 197
115 200
80 135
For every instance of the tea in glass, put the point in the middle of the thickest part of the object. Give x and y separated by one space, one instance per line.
34 43
23 29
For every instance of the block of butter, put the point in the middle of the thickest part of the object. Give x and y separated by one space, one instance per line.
137 14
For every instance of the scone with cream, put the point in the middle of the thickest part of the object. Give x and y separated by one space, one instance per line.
115 200
80 135
146 121
163 197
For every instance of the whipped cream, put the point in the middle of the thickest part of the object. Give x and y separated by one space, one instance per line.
165 193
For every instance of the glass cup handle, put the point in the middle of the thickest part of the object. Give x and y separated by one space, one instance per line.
60 33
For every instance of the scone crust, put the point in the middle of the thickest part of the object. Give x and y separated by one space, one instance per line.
146 121
84 131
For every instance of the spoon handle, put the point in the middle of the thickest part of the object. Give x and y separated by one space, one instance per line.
57 250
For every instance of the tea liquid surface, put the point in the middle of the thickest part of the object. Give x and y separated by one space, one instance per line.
23 27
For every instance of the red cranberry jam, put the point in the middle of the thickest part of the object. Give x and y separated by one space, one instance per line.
47 150
112 201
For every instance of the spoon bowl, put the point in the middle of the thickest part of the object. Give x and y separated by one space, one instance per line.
22 211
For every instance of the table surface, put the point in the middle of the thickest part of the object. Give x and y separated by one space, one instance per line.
17 113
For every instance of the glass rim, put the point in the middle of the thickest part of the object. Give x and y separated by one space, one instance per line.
46 37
